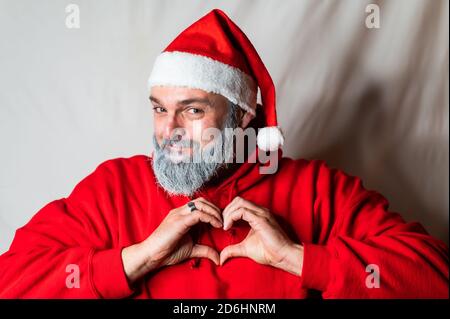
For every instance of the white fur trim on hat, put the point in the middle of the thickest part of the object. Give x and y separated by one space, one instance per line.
200 72
270 138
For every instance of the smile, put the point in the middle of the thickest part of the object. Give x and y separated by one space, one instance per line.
177 149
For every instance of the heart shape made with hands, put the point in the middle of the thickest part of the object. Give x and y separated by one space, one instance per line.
266 242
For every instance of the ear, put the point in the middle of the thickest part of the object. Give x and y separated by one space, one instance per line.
245 119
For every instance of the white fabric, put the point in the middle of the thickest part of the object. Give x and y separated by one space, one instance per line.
373 102
270 138
200 72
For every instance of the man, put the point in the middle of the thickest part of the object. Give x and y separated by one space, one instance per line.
195 222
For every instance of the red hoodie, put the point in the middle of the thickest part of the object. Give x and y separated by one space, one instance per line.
342 226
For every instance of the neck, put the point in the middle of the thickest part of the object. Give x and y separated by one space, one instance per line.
222 174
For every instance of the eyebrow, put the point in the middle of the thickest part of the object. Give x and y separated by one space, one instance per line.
184 102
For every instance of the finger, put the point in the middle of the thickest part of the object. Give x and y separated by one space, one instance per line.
237 250
252 206
208 209
200 216
202 251
240 213
256 208
241 202
202 199
231 205
203 208
229 218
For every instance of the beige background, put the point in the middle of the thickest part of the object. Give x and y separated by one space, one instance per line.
373 102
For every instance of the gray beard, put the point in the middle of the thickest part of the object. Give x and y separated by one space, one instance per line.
186 177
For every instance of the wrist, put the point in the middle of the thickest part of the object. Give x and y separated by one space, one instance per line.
136 262
150 254
293 261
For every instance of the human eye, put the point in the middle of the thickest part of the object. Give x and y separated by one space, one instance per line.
159 109
195 111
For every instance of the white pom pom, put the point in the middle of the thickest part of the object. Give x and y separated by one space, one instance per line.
270 138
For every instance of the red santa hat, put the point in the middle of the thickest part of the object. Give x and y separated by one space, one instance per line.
213 54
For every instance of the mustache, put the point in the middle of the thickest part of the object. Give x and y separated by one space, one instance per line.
175 141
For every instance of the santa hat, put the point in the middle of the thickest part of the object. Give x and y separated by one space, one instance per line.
213 54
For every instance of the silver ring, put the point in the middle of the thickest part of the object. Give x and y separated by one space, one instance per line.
191 206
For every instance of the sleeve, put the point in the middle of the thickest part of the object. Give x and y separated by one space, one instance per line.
362 250
69 248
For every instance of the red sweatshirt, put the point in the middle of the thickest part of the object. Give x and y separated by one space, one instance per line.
342 226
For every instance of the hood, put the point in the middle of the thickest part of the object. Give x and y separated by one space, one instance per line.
239 178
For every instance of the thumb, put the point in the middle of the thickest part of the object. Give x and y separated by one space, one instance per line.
206 252
232 251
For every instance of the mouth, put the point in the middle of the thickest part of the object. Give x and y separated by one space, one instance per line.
177 149
177 153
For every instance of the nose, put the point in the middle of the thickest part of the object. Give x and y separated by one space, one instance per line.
172 128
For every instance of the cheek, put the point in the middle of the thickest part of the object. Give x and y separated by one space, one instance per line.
209 129
165 128
158 128
192 130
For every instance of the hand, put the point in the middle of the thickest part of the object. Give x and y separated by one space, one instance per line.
170 243
266 242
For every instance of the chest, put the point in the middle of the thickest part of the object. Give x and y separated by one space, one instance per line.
238 277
